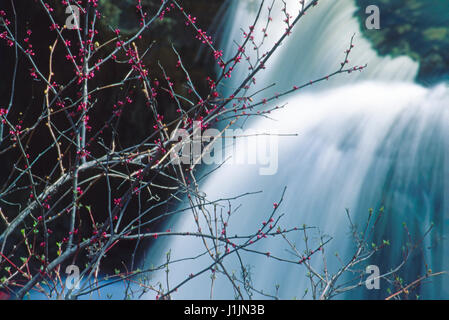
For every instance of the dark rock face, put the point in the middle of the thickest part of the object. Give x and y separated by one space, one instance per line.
417 28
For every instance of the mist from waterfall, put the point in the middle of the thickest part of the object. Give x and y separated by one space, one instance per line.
365 140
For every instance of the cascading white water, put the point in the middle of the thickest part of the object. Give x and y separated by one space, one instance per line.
365 140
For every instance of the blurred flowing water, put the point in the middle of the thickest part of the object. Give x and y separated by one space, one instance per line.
365 140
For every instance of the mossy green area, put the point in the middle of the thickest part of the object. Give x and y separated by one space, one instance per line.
416 28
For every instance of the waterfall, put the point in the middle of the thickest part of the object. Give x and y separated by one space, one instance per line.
366 140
